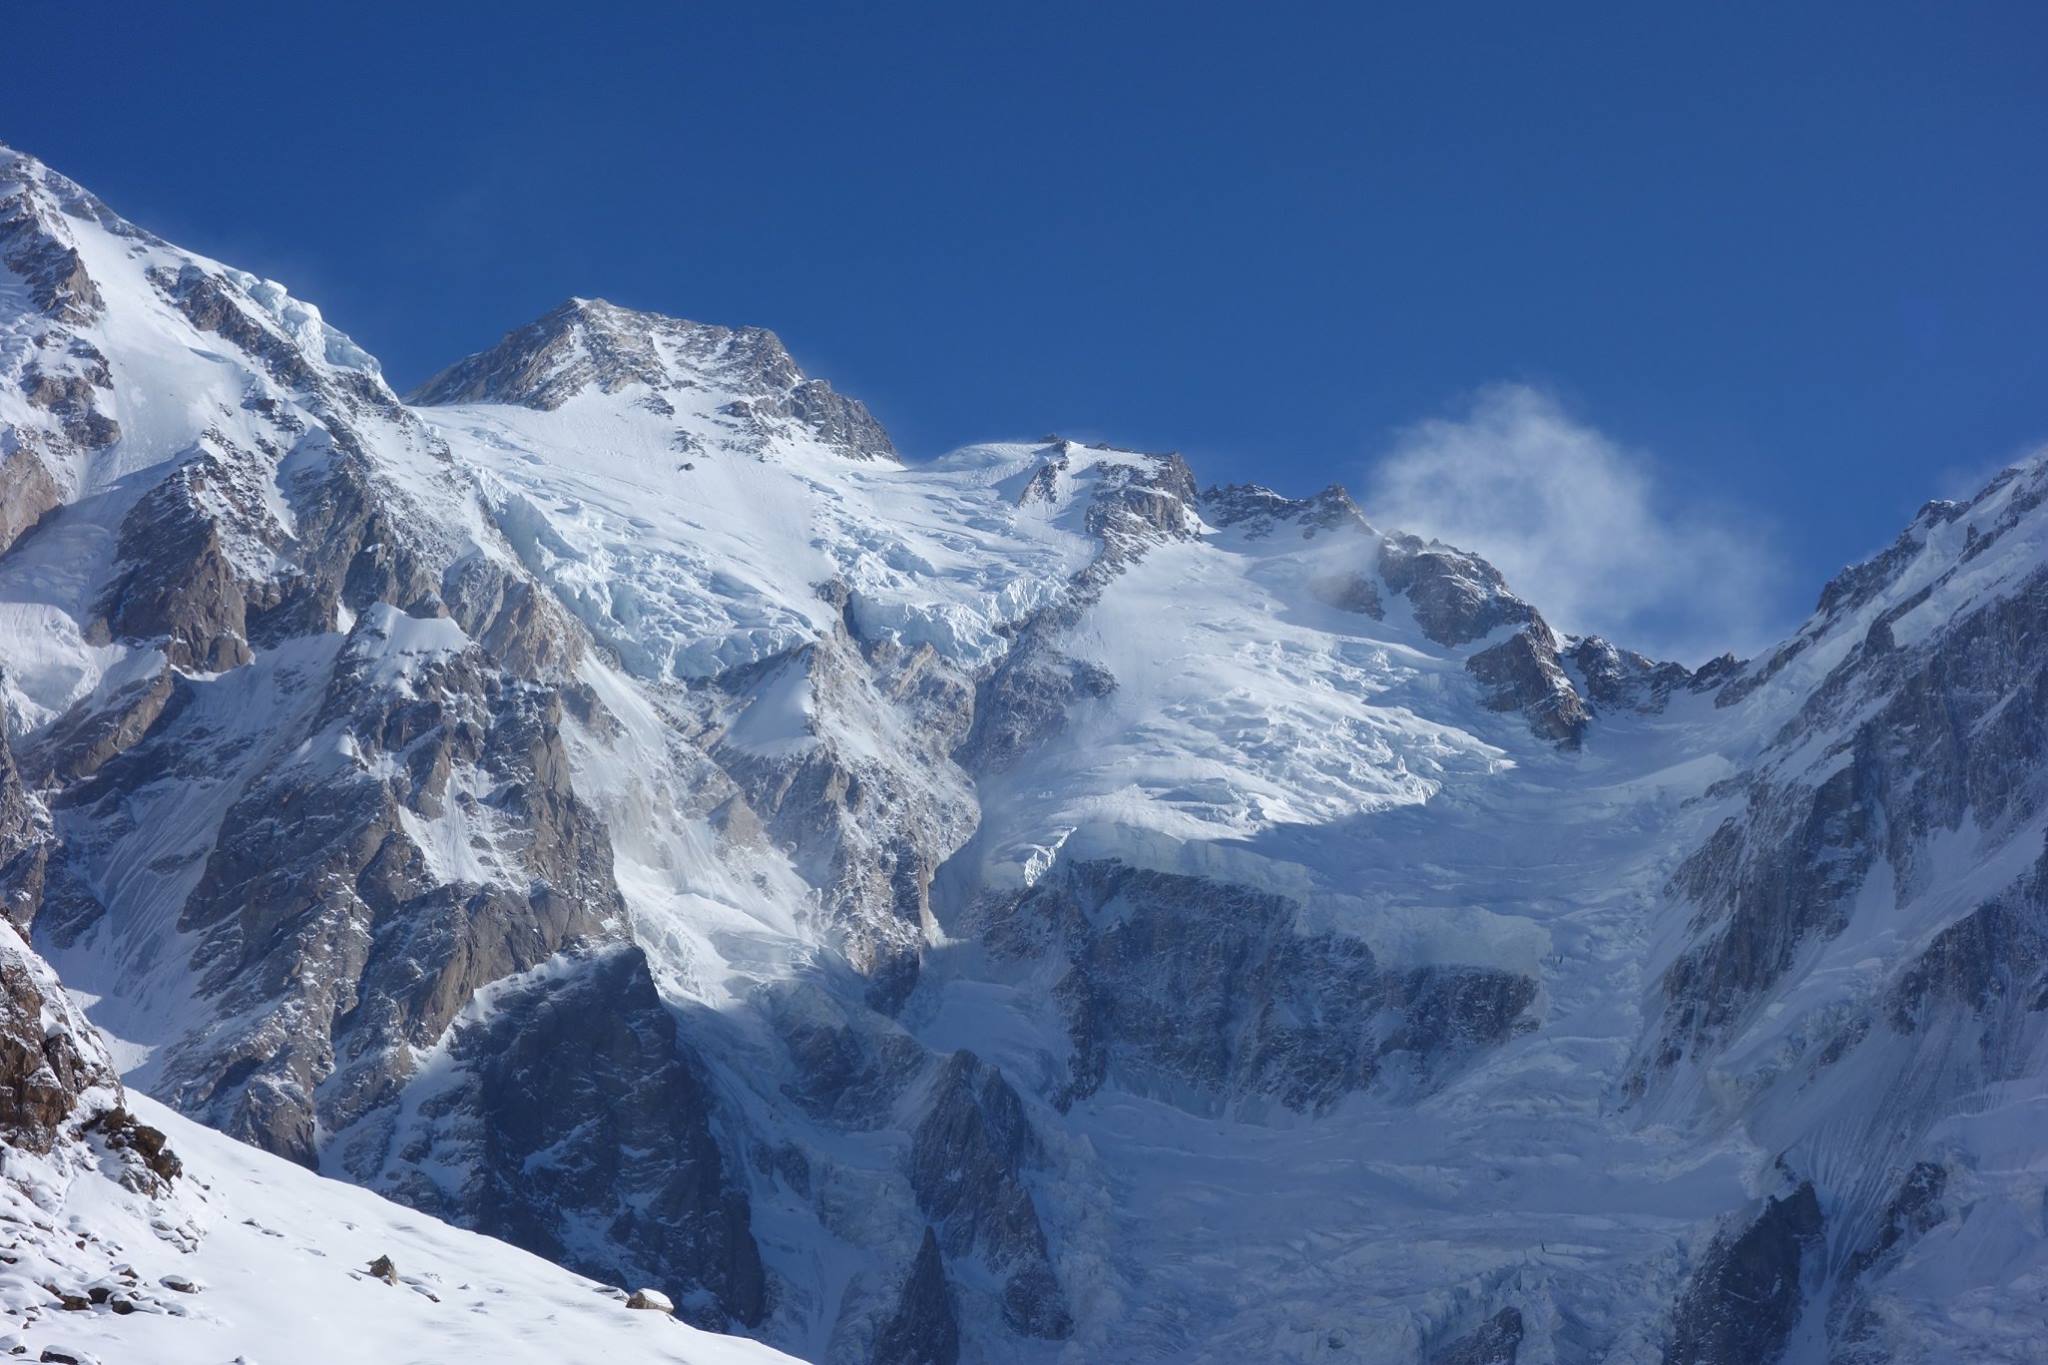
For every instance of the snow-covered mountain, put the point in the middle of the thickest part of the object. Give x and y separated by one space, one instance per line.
135 1234
1025 906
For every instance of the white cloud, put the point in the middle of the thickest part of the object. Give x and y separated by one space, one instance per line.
1580 527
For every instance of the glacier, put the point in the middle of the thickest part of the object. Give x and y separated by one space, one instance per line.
1018 906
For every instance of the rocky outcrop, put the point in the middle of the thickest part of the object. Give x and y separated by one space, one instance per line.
1990 960
968 1161
1176 982
589 344
1043 485
1915 1208
186 551
581 1127
214 303
34 244
1746 1294
1861 584
1621 679
53 1068
1030 694
145 1147
1497 1341
867 826
1258 512
1134 505
333 868
1521 673
1456 597
1352 592
848 1067
923 1329
26 841
100 728
59 375
1029 697
1945 732
67 386
27 490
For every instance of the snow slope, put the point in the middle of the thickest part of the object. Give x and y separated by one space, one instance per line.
276 1261
1255 734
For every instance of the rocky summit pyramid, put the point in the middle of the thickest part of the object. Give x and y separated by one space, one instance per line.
1025 906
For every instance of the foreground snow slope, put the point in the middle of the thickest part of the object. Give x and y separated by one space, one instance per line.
277 1258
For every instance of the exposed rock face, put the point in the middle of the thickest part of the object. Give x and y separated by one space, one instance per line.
1259 512
53 1069
848 1068
1860 585
868 828
179 578
27 490
1953 735
1352 592
1990 959
318 864
35 245
26 842
1916 1208
1522 674
581 1126
1459 599
1747 1292
1497 1341
968 1164
62 377
122 1132
923 1330
591 344
1135 506
1027 699
1177 981
1623 679
215 303
1456 597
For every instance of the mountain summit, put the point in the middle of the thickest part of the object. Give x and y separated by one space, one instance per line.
1017 907
590 346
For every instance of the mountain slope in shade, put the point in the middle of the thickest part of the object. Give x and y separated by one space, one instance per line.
131 1233
1024 906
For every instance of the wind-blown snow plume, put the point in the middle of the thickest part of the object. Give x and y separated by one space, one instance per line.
1580 524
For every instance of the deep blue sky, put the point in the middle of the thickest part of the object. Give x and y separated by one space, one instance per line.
1791 256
